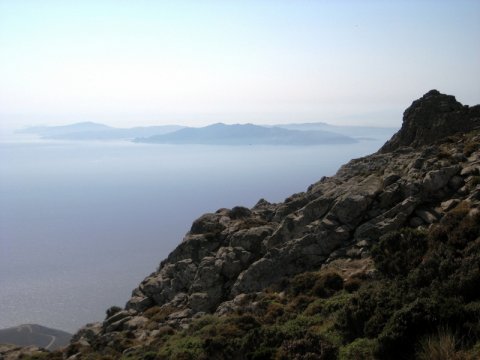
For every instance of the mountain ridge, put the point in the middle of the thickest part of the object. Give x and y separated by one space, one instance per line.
247 134
286 134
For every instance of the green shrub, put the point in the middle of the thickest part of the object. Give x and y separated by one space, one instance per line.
327 284
360 349
352 284
183 347
329 306
273 312
310 346
399 252
262 353
367 312
322 284
159 313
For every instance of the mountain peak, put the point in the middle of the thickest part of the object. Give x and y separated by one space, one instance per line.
431 118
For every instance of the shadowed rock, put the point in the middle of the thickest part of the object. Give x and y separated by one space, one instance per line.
431 118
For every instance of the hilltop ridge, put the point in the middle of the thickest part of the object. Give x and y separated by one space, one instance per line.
433 117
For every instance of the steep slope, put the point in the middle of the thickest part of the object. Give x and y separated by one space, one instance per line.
363 264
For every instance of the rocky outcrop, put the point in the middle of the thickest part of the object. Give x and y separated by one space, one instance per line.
231 255
433 117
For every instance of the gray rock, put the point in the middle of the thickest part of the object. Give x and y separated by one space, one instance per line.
417 163
362 243
429 216
449 204
200 302
354 253
208 223
390 179
232 260
88 333
459 157
350 208
388 221
136 322
118 316
416 221
250 239
392 195
316 209
470 170
329 223
178 315
139 303
117 325
248 280
437 179
456 182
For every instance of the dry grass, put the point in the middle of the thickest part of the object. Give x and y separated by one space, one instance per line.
441 346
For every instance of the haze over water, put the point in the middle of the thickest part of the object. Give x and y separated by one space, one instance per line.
82 223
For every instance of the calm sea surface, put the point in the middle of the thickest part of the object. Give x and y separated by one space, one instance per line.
82 223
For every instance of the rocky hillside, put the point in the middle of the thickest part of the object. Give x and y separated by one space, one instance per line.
377 261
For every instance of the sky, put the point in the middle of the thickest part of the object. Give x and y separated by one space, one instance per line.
140 62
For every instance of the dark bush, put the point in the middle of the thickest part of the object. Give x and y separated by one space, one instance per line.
323 284
327 284
399 252
310 347
239 212
113 310
352 284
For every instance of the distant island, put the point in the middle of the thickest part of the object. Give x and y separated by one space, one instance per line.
216 134
95 131
247 134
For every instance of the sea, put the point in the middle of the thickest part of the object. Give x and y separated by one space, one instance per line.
82 223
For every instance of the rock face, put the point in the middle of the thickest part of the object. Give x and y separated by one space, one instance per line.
230 255
431 118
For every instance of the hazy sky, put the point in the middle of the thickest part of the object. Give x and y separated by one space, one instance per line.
141 62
